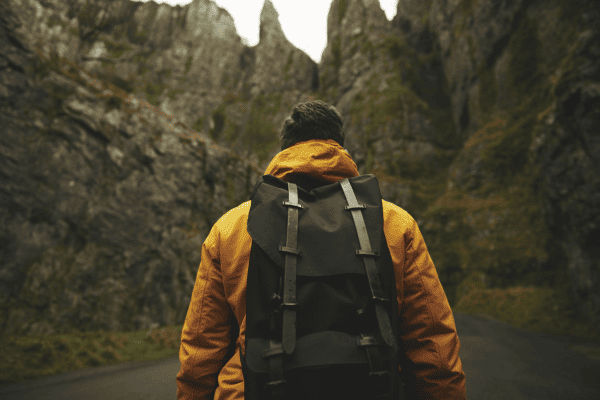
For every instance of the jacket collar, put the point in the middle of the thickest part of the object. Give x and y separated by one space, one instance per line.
313 163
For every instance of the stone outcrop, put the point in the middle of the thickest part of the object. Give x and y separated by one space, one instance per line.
106 203
566 153
523 82
397 110
279 65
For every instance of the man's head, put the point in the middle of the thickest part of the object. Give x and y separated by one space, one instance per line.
312 120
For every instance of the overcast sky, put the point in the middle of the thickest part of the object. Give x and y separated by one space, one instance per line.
304 22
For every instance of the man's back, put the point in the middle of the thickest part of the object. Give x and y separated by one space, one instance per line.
431 367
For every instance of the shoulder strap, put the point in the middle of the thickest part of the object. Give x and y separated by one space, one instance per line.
365 252
289 279
288 340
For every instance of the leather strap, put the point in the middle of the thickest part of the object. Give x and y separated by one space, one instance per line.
289 280
276 386
367 254
379 375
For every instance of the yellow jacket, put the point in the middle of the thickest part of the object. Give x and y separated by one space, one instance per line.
428 331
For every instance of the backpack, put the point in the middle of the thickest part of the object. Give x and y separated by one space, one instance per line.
321 309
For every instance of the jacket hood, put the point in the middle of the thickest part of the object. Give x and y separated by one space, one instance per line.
313 163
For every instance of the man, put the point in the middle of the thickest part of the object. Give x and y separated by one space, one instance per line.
312 155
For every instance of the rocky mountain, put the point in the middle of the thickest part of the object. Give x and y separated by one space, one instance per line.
129 128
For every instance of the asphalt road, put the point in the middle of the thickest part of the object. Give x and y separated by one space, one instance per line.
500 362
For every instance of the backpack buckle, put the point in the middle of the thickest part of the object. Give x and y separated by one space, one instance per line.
275 302
289 305
380 300
276 389
365 340
275 384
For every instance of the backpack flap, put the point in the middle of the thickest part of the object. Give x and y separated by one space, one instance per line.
324 244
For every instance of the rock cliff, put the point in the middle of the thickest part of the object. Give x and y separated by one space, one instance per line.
106 201
122 143
522 77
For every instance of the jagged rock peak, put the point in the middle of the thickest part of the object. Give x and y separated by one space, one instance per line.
202 11
270 27
354 15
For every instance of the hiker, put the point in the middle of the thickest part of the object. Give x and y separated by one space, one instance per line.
317 288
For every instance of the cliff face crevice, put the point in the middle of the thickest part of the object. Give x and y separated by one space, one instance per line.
124 139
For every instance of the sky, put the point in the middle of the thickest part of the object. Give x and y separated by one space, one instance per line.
295 17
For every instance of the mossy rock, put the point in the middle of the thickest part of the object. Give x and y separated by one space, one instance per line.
525 57
153 92
54 20
261 134
115 49
174 92
342 7
199 125
188 64
219 118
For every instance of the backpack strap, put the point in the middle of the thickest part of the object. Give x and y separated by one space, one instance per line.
288 342
365 252
379 375
289 280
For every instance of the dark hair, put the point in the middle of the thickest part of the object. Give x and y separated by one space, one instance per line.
312 120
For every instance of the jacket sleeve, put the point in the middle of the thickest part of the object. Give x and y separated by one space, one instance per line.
432 368
205 338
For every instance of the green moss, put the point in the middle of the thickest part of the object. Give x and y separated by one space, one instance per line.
336 48
570 16
373 110
508 255
116 49
230 190
394 45
261 134
289 62
188 64
525 57
507 154
199 125
153 92
219 118
231 98
488 91
544 310
173 92
109 77
54 20
369 164
446 242
39 356
342 7
466 6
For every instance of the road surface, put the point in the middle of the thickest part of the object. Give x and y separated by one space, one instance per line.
500 363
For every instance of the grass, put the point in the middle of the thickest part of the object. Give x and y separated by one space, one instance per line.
545 310
27 358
